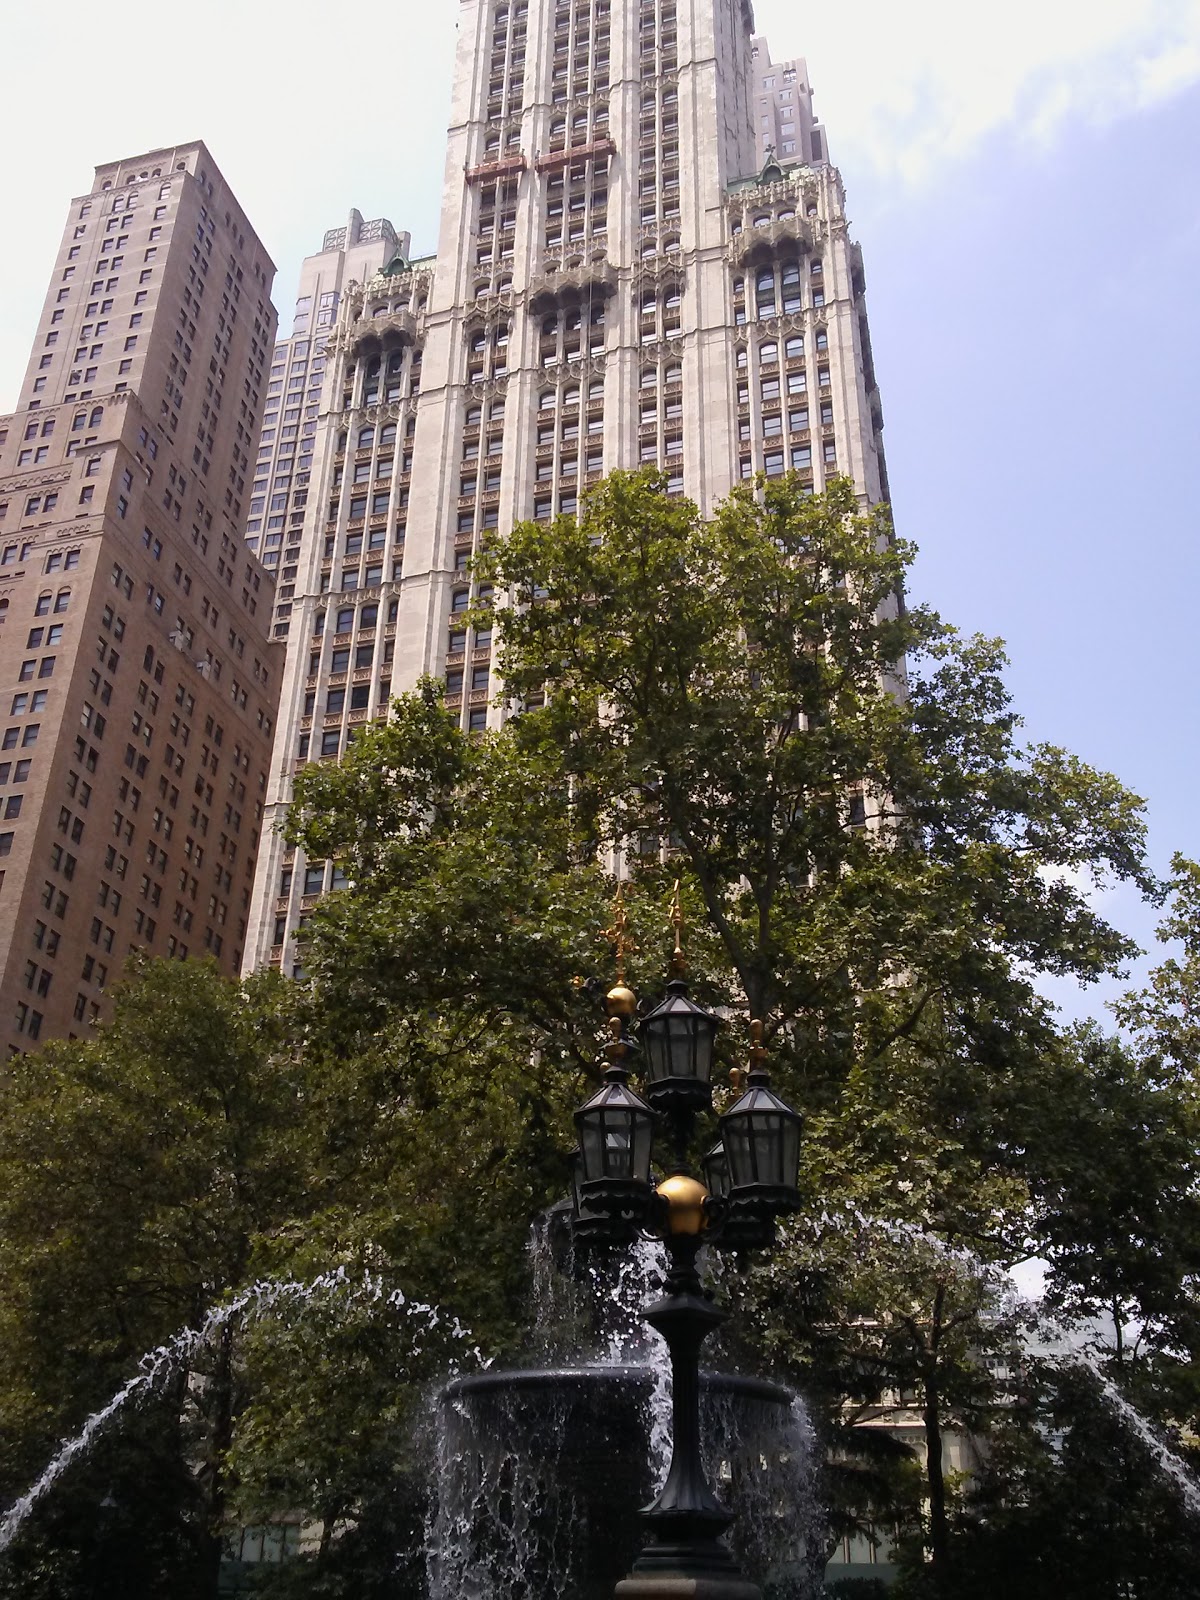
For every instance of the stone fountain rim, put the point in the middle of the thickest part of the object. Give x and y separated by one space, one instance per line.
583 1374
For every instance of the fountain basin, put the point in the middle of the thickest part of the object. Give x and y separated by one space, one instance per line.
542 1473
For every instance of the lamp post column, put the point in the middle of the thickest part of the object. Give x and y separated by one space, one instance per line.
684 1558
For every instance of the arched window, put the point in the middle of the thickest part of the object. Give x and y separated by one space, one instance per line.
546 400
42 609
768 351
62 599
387 436
794 345
345 619
97 417
596 390
366 438
460 599
570 396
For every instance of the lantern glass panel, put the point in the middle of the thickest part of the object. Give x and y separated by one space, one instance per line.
716 1172
790 1163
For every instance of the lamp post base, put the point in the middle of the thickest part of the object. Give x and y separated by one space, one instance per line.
665 1586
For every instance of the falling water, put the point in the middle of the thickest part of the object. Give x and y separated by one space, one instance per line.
541 1472
156 1364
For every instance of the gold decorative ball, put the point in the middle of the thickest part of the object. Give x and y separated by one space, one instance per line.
685 1199
621 1001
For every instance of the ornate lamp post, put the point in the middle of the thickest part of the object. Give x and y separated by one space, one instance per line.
751 1178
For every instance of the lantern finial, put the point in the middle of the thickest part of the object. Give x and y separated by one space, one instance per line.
754 1071
678 960
620 999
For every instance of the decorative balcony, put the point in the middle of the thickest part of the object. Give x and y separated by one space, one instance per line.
369 334
568 285
785 236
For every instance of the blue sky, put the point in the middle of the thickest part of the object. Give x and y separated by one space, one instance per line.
1025 182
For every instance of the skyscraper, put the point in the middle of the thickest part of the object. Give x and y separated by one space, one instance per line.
282 472
784 122
139 686
621 279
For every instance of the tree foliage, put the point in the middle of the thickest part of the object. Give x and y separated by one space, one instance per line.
871 860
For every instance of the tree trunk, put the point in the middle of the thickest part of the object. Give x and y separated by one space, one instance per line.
934 1475
219 1406
935 1478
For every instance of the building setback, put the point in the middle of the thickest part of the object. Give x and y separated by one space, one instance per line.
283 468
138 686
784 123
622 279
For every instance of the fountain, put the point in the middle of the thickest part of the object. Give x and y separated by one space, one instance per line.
542 1472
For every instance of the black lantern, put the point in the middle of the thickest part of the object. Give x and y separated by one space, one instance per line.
677 1041
761 1136
615 1129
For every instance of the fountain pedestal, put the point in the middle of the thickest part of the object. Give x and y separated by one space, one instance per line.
661 1586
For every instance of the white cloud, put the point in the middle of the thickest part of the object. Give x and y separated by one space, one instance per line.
908 90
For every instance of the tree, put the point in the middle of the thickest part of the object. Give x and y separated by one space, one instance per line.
880 865
136 1170
870 860
1070 1502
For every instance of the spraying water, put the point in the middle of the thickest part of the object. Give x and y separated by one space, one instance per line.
541 1471
1062 1345
157 1364
1065 1350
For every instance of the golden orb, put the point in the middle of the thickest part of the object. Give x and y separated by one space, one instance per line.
685 1199
621 1001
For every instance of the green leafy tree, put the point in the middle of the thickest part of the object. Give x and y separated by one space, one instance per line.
1071 1502
871 861
136 1169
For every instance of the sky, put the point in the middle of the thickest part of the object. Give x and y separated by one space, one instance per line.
1025 183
